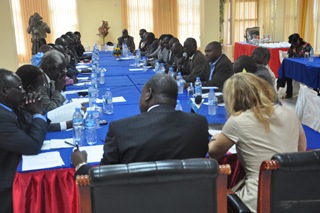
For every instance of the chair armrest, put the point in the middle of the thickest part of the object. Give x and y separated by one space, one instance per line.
235 204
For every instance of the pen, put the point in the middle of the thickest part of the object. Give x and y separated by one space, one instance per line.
71 144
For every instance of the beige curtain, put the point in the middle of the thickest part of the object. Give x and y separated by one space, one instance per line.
189 20
305 20
165 17
137 14
268 18
26 9
244 15
316 44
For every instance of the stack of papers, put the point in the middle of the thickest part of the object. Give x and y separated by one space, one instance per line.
41 161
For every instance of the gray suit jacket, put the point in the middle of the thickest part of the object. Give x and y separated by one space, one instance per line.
51 98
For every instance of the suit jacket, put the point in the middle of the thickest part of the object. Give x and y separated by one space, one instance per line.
222 71
151 48
160 134
194 68
17 138
51 98
130 43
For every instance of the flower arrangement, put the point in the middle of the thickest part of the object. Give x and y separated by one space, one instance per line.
104 31
117 52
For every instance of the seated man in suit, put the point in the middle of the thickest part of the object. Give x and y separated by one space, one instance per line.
194 62
177 54
126 39
32 80
17 137
142 46
54 64
218 68
158 133
152 44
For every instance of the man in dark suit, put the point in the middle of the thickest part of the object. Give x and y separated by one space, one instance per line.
32 80
126 39
151 44
218 68
17 138
193 62
158 133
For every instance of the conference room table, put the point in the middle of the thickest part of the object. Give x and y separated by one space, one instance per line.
244 48
302 70
53 190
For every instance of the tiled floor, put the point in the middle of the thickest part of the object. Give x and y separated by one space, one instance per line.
290 103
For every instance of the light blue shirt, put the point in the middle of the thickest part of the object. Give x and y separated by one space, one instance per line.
212 65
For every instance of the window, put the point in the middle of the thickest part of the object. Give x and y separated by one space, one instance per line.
139 16
239 15
189 20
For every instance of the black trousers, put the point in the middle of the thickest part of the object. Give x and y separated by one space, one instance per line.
283 81
6 205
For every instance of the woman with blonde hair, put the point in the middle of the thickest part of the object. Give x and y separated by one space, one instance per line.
259 128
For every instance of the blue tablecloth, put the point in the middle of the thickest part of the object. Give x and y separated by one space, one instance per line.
302 70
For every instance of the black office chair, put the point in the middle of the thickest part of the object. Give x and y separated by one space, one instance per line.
289 182
169 186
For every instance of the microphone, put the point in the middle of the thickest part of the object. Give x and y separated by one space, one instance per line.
185 55
193 104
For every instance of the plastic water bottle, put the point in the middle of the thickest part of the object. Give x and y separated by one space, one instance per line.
171 72
96 113
212 103
311 55
144 64
190 90
180 83
92 96
90 128
178 106
198 87
161 68
107 102
77 123
101 79
137 61
156 67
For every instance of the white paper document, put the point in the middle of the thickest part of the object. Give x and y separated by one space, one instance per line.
99 100
60 143
63 113
75 91
83 84
135 69
94 153
41 161
46 145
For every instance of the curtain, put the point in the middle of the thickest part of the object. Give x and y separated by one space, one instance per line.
165 17
137 14
66 15
189 20
316 21
268 17
245 14
51 11
22 10
238 15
